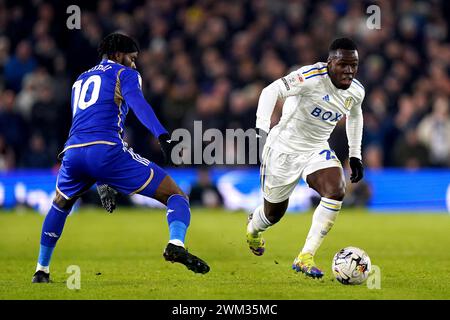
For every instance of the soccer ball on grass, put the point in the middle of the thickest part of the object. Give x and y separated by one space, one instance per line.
351 265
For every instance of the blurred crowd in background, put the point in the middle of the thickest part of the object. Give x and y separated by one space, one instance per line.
209 60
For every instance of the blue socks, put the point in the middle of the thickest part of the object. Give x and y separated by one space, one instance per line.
178 218
51 232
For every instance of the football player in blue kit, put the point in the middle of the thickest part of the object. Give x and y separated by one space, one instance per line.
96 153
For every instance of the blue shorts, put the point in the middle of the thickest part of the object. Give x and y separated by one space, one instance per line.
114 165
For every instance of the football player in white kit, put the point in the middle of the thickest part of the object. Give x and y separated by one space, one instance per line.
316 98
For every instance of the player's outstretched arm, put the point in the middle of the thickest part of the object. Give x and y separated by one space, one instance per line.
147 117
144 112
132 94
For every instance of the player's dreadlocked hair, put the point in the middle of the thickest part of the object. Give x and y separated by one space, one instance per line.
117 42
342 43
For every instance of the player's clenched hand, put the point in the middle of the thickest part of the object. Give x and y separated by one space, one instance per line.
357 169
166 145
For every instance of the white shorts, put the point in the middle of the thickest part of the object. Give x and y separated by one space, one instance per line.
281 172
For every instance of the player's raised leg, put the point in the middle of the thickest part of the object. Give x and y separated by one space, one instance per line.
330 184
178 219
129 173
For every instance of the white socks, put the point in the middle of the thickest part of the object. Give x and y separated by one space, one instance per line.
322 221
177 242
46 269
259 221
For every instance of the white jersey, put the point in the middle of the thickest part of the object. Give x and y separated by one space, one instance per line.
312 108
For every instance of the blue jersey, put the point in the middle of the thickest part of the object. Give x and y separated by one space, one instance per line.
95 151
101 99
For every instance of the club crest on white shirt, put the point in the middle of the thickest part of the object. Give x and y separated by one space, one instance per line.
349 102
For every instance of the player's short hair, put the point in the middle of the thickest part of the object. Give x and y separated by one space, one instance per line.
342 43
117 42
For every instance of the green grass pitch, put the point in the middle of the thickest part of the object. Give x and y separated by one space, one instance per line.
120 257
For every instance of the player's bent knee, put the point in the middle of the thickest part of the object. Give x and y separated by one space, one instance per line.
275 211
166 189
179 193
337 194
63 203
175 190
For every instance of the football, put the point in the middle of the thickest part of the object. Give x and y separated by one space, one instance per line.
351 265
